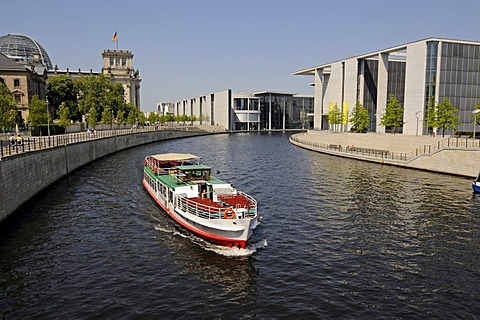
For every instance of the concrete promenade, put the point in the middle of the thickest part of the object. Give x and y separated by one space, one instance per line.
456 156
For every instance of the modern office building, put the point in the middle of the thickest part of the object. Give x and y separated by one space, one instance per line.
412 72
165 108
266 110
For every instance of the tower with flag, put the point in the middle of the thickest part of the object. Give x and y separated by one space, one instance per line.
118 65
115 39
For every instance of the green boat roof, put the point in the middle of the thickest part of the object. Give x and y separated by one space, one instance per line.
173 182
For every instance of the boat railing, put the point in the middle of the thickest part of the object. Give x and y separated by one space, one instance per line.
201 210
250 198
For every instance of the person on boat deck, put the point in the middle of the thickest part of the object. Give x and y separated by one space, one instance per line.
204 194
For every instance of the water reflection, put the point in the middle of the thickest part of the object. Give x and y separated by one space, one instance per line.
346 239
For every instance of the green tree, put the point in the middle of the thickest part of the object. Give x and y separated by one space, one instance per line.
63 114
132 113
162 118
121 117
475 115
170 118
62 88
360 119
92 117
141 117
37 112
393 116
99 93
447 117
152 118
8 109
107 116
335 117
430 118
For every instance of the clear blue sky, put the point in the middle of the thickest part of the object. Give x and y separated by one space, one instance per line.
184 49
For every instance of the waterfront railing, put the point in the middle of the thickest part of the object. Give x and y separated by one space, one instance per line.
27 144
448 143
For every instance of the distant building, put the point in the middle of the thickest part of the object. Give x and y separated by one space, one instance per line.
25 67
412 72
23 81
264 110
118 64
165 108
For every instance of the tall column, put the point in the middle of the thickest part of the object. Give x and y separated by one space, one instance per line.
318 100
382 89
269 111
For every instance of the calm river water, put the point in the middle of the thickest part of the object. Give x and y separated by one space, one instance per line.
339 238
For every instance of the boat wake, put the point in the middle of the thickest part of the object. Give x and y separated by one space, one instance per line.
236 252
221 250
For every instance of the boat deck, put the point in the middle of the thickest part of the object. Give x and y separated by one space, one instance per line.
234 200
207 202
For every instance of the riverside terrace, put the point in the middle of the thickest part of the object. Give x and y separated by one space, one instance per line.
458 156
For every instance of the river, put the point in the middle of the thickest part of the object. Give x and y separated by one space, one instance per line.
338 238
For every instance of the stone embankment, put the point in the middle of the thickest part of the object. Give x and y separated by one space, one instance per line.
456 156
30 170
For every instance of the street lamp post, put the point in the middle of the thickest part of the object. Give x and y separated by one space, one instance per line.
416 115
48 120
474 113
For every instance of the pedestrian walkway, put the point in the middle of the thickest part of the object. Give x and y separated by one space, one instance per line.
397 143
458 156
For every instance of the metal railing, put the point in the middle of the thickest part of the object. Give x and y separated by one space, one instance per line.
27 144
448 143
201 210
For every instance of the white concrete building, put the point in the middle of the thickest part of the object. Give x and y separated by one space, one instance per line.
412 72
265 110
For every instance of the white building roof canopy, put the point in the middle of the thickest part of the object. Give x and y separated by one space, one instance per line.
397 53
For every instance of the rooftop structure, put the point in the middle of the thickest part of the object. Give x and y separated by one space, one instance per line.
24 49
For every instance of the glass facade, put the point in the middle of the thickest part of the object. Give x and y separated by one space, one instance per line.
247 116
17 46
284 111
370 75
395 87
460 79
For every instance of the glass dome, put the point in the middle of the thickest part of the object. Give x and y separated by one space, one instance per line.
23 48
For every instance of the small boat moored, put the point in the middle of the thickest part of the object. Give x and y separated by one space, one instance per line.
205 205
476 184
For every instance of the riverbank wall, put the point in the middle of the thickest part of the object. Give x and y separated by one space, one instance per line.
454 156
24 175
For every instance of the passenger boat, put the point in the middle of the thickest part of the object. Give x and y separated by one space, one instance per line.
476 184
205 205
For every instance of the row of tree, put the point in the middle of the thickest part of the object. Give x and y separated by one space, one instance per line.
441 115
93 98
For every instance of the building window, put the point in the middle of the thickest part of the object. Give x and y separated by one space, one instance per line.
18 99
124 62
112 61
16 83
253 104
117 61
